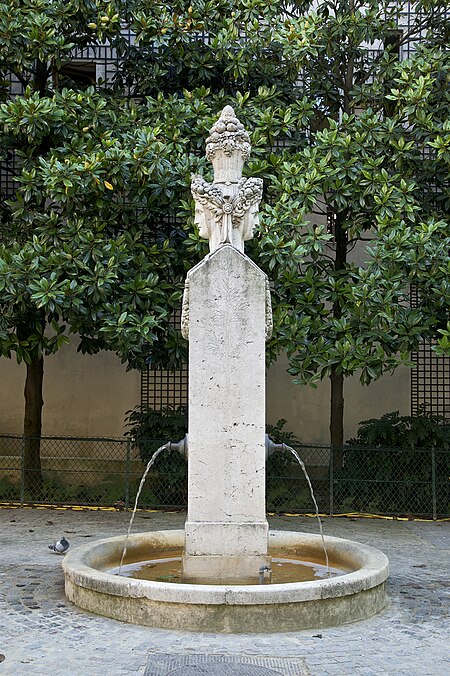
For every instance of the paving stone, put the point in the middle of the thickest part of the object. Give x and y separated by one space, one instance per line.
51 636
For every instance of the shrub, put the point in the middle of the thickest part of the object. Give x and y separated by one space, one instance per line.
150 429
395 431
388 467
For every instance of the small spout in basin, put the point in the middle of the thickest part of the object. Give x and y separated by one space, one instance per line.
265 571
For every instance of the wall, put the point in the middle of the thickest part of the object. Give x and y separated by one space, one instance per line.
84 395
89 395
307 410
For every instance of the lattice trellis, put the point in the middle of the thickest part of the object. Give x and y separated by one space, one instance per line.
160 388
430 382
430 379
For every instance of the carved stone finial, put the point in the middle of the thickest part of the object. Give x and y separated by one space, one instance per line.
228 135
226 211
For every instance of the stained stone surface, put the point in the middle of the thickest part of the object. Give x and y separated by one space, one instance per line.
42 633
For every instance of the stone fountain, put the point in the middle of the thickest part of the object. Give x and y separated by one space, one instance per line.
225 549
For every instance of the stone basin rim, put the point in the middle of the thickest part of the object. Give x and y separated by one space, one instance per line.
371 570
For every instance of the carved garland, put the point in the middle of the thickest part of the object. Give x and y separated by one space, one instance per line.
249 192
210 195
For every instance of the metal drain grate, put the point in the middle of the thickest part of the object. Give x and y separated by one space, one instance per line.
222 665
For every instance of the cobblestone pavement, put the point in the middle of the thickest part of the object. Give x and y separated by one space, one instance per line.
41 633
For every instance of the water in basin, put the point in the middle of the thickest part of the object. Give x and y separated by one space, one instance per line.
167 567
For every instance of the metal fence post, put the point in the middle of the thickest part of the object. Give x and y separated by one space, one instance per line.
22 473
433 482
331 484
127 474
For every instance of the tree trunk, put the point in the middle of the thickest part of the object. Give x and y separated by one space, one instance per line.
340 262
32 427
41 74
337 417
337 379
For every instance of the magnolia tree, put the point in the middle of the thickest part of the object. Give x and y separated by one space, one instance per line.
346 131
380 175
379 169
83 248
99 234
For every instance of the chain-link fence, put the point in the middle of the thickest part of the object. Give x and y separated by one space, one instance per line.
107 472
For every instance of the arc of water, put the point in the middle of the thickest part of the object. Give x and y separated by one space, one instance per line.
302 465
141 485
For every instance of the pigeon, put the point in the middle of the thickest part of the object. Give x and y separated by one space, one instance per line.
61 546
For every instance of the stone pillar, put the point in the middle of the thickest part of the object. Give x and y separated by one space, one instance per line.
226 528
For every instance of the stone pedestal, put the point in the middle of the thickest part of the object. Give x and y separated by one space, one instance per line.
226 528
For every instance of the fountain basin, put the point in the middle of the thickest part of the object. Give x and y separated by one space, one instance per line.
356 595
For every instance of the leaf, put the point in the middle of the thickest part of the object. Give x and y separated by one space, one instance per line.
108 185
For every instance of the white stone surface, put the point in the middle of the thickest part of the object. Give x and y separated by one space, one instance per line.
226 500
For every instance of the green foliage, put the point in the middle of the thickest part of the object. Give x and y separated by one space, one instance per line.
443 344
280 435
395 431
89 244
73 255
150 429
388 467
